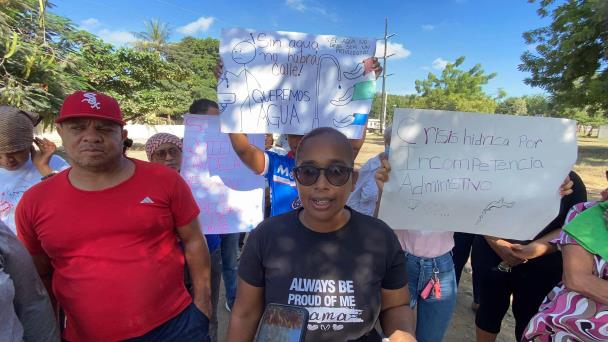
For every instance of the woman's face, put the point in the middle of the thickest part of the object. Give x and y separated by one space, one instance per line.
169 155
15 160
323 201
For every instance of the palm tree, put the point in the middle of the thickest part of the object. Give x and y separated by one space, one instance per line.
154 38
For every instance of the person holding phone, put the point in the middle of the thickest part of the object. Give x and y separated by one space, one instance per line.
347 269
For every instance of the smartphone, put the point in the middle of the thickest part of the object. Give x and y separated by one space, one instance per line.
282 323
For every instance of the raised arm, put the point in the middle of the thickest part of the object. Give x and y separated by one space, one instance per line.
249 154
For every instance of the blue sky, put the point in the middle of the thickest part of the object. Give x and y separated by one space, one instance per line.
429 33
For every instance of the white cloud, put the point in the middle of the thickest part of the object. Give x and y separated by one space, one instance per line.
298 5
398 49
89 23
116 37
201 24
428 27
440 63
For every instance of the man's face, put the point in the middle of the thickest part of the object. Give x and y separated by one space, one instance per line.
92 144
15 160
169 155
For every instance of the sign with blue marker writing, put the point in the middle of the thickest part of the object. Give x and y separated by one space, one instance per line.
229 195
486 174
288 82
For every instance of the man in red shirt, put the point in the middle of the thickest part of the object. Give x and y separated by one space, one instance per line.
105 234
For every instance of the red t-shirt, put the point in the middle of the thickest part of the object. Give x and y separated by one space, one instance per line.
118 267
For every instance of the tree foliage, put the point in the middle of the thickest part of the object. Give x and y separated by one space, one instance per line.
43 58
199 56
456 89
513 105
155 37
571 57
146 86
36 65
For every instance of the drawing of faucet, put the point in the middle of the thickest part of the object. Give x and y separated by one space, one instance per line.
315 121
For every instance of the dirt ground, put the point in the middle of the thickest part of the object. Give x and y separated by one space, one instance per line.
591 166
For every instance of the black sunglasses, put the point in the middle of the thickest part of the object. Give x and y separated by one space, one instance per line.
336 175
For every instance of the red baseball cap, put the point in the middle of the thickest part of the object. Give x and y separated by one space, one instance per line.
90 104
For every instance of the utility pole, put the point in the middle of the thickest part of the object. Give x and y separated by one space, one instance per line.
384 74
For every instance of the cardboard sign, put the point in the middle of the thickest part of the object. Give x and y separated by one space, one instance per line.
287 82
490 174
230 196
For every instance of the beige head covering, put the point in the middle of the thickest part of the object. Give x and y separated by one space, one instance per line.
16 129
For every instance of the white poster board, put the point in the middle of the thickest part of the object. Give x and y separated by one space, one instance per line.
229 195
288 82
491 174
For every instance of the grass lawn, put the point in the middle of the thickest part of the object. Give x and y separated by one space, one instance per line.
592 164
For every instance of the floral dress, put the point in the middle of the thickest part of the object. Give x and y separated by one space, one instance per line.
567 315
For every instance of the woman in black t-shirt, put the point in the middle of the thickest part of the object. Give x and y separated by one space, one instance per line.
347 269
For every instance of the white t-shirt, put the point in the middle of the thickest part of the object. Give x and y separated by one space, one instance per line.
14 183
365 195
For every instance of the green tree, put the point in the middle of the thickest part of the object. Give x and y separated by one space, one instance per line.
155 37
37 69
146 86
513 105
584 117
392 102
538 105
571 57
199 57
456 89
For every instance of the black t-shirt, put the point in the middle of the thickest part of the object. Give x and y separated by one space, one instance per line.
336 276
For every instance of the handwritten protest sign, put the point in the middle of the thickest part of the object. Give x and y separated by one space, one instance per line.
229 195
478 173
287 82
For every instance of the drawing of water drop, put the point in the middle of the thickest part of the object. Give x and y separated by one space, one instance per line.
339 86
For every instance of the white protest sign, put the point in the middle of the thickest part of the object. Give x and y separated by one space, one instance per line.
229 195
495 174
288 82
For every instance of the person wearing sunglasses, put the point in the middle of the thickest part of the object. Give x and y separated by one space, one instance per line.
277 168
346 268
